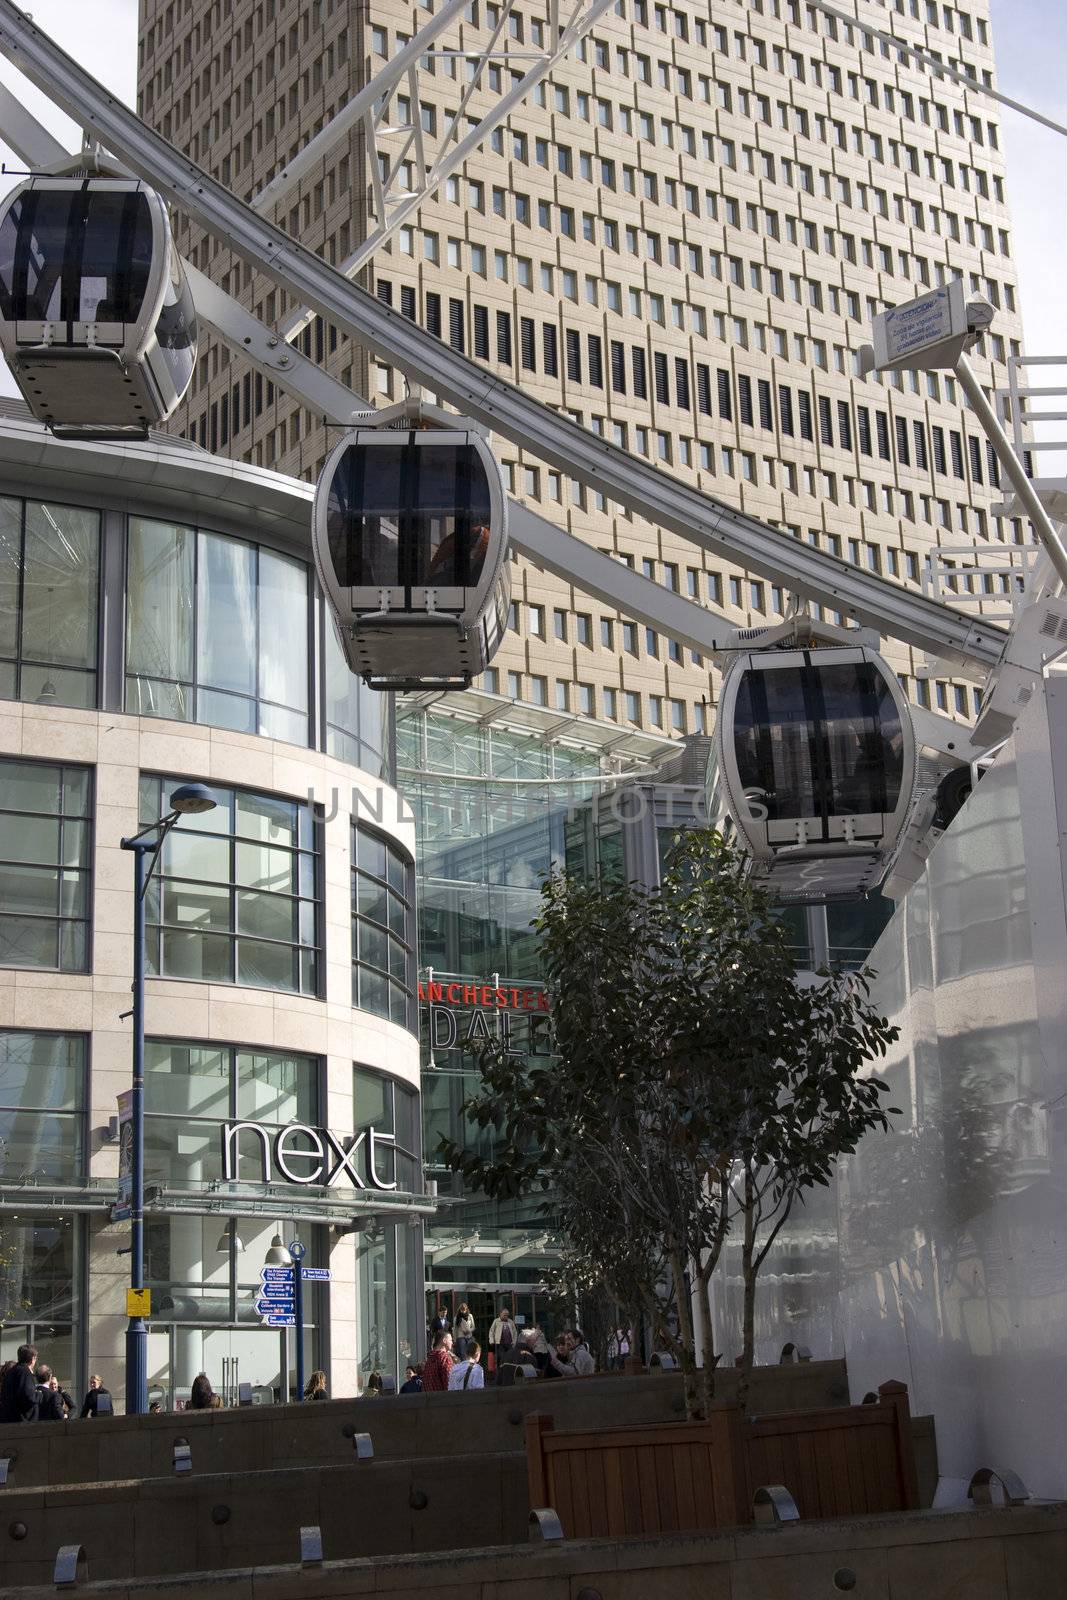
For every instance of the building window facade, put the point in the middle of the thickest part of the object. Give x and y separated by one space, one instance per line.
236 896
390 1107
39 1300
45 865
217 631
383 928
42 1110
193 1089
49 602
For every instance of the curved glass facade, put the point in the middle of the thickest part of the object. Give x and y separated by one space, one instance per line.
209 627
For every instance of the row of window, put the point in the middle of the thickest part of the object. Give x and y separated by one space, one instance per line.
191 1090
216 629
666 712
236 896
697 387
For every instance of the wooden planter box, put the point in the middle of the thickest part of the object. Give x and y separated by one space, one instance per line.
691 1476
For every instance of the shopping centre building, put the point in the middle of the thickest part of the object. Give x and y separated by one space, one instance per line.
160 623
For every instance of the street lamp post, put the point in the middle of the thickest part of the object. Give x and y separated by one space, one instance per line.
188 799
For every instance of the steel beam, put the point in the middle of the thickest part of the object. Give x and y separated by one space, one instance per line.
665 501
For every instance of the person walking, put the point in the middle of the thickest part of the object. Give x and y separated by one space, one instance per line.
97 1393
441 1322
315 1388
464 1331
50 1407
468 1373
502 1339
438 1365
19 1399
202 1396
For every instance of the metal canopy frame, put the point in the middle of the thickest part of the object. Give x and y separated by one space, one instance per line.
712 524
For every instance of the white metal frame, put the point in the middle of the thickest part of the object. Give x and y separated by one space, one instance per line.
715 526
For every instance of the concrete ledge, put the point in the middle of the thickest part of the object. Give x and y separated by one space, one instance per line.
260 1438
1010 1554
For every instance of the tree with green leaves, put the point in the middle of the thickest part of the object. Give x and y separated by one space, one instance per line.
696 1087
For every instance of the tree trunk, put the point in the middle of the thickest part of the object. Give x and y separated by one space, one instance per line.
694 1409
707 1354
748 1279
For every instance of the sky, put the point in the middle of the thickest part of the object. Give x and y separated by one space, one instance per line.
1030 37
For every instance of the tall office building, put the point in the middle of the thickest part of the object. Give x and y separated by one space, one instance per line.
680 239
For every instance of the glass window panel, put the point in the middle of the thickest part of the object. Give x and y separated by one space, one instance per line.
147 697
194 905
371 853
57 686
372 991
226 711
160 599
269 966
398 1005
30 786
74 894
188 855
61 580
76 791
75 843
207 956
374 946
371 899
397 872
28 838
73 946
259 867
10 567
291 726
40 1148
277 1088
266 818
283 630
43 1070
186 1155
398 913
187 1080
267 916
29 890
226 619
398 960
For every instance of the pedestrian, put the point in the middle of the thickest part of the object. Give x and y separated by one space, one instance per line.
315 1388
559 1359
374 1387
97 1392
502 1341
50 1407
464 1330
412 1383
202 1396
468 1373
19 1400
536 1349
438 1364
155 1407
441 1322
572 1357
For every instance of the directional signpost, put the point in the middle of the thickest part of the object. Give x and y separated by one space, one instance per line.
280 1301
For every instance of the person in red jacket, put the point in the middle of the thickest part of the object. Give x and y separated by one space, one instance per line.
438 1364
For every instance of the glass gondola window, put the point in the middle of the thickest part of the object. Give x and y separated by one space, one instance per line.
383 928
75 255
49 591
819 741
400 517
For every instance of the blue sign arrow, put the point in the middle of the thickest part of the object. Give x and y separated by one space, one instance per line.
274 1308
315 1274
279 1322
276 1291
269 1274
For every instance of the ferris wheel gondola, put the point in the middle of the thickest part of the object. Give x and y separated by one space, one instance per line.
814 765
96 318
410 541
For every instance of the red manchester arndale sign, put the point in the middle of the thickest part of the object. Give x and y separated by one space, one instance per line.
486 995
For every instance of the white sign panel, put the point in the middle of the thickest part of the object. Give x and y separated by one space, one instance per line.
928 331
